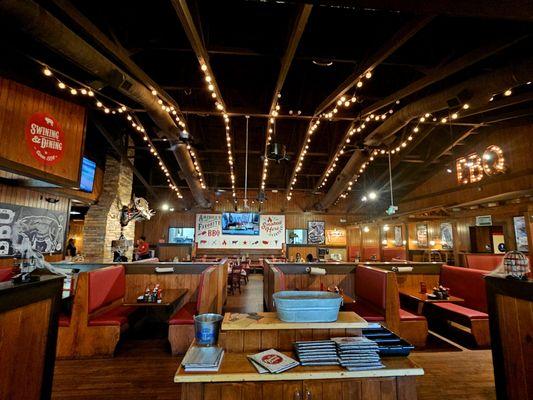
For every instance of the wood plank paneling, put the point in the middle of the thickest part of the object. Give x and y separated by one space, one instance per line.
17 104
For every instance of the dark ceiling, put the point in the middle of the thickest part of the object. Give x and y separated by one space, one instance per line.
246 41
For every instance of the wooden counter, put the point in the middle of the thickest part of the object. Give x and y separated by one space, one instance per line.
237 368
238 379
29 315
270 321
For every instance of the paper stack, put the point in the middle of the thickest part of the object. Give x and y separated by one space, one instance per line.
319 352
358 353
202 359
272 361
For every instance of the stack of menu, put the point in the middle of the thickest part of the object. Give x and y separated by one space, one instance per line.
358 353
272 361
318 352
202 359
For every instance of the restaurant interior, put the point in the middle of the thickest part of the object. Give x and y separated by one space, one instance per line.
259 199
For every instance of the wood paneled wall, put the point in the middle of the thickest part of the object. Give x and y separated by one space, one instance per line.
17 104
443 190
295 215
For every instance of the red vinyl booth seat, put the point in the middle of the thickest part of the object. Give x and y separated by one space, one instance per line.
365 310
185 315
466 283
467 312
116 316
106 286
407 316
5 274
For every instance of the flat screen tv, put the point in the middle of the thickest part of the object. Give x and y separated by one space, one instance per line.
180 235
240 224
88 168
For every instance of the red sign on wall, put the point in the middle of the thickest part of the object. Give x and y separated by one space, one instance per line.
45 138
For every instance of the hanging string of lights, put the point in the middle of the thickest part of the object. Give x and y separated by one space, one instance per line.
103 102
221 107
174 114
341 148
342 101
271 127
425 118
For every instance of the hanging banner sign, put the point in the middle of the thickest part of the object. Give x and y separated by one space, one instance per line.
45 138
209 233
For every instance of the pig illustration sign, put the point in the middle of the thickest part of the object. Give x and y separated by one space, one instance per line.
209 233
43 229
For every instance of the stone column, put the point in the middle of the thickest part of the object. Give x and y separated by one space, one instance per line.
102 223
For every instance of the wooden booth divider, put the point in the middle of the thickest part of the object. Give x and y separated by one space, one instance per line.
95 331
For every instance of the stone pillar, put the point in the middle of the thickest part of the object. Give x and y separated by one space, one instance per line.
102 222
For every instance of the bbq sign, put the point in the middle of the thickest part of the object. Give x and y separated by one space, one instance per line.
45 138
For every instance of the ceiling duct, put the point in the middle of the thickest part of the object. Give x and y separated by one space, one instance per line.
42 26
478 89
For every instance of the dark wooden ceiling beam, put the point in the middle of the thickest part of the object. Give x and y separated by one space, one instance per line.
304 11
113 48
393 44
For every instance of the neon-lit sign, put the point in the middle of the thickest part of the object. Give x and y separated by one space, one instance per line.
473 167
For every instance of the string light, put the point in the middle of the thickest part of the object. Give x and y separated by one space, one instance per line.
219 104
343 100
130 117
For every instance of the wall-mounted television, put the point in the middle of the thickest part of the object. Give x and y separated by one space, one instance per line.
240 224
180 235
88 169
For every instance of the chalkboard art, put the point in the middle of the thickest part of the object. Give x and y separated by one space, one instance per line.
43 229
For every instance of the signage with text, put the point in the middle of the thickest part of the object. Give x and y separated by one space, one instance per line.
474 167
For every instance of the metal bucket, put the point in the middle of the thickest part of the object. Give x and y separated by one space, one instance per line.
206 328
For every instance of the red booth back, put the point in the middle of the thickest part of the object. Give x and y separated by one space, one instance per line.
369 252
5 274
396 254
106 285
466 283
487 262
371 285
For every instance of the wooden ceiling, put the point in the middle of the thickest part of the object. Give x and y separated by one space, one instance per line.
310 54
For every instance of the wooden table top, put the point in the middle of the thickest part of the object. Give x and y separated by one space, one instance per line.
415 294
270 321
236 367
168 297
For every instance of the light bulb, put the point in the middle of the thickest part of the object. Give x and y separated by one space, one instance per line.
61 85
368 75
47 72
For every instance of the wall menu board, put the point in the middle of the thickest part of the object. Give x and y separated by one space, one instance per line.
209 233
42 136
336 237
43 229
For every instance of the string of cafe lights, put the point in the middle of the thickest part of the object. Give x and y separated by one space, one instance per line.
347 140
220 106
271 127
117 108
425 118
342 101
